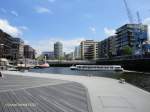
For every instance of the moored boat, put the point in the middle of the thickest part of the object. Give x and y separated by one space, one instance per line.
73 67
45 65
97 67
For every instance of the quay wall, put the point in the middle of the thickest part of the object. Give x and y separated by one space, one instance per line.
130 64
127 64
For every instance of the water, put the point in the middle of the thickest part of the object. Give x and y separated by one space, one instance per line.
140 80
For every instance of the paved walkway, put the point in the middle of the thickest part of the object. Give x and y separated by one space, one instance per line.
32 94
106 95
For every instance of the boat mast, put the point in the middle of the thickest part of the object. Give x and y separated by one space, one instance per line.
45 59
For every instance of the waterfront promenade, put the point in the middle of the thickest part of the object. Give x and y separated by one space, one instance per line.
105 94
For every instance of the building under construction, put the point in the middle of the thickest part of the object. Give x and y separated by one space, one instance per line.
132 35
128 35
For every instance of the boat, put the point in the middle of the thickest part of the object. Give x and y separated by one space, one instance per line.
97 67
45 65
73 67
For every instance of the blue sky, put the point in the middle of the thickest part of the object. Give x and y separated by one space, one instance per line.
42 22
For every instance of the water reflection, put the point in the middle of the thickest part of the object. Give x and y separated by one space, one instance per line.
138 79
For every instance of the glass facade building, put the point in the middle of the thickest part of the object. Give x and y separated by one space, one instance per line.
58 50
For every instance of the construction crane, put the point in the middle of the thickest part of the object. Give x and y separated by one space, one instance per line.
139 18
131 20
128 12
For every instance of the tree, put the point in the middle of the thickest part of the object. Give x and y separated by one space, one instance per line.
61 58
40 58
127 50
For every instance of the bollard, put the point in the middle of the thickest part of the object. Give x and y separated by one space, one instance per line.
89 75
122 81
0 74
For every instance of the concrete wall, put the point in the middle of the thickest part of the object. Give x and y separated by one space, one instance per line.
136 65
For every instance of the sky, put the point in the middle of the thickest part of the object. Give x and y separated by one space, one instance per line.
40 23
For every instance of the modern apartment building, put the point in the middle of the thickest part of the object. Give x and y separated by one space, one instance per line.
132 35
146 48
77 52
18 48
103 48
89 50
6 42
58 50
29 52
11 48
112 45
107 47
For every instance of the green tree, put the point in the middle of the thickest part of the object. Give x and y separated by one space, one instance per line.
40 58
61 58
127 50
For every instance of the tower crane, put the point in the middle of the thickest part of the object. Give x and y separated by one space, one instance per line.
131 20
128 11
139 18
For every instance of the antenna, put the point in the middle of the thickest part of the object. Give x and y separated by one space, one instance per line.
128 12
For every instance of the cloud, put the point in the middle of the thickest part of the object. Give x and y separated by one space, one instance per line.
43 10
147 22
26 41
69 45
92 29
48 44
14 13
8 28
109 32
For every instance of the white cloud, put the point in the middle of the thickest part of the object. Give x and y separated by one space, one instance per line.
69 45
92 29
26 41
48 44
109 32
14 13
147 22
43 10
8 28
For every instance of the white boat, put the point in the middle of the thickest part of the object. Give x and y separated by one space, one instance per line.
97 67
73 67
